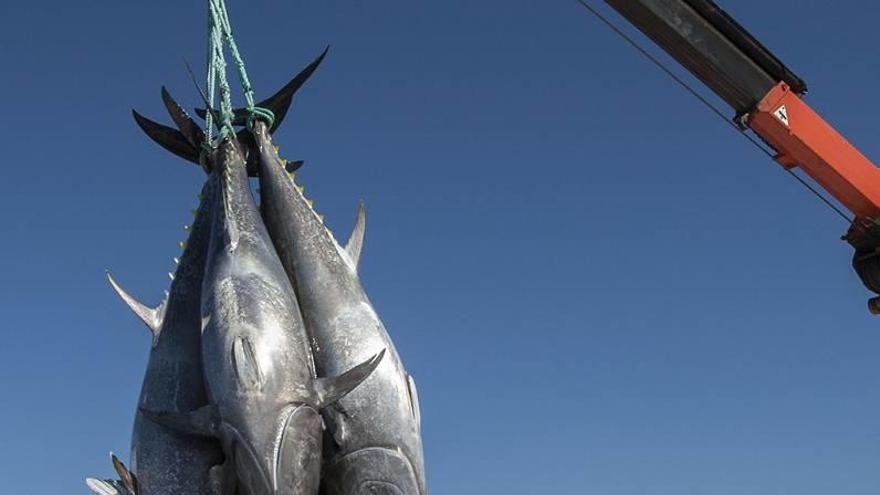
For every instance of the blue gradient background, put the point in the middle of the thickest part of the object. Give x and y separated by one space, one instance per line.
599 287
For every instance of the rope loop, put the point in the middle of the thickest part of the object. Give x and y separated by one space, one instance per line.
262 114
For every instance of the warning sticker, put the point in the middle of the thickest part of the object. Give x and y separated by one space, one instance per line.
781 113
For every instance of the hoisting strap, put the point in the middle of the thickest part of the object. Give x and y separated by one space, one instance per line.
220 31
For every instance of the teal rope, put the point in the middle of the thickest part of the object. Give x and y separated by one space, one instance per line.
211 82
255 113
226 27
220 31
218 66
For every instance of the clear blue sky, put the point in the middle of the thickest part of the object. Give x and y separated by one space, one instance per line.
599 287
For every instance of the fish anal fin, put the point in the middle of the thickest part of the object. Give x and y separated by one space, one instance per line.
331 389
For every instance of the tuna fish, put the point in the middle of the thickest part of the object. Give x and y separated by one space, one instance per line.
374 439
264 397
167 462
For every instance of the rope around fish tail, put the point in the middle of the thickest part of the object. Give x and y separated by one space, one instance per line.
220 30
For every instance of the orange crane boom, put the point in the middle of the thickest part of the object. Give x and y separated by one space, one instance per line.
768 99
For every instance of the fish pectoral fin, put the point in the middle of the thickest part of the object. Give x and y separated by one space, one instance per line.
104 487
203 422
355 243
152 317
126 478
329 390
414 400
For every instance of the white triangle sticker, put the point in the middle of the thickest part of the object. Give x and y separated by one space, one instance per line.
781 113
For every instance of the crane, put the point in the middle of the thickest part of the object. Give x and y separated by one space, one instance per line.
768 99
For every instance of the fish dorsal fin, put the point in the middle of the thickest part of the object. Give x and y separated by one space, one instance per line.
355 244
203 422
330 390
152 317
126 477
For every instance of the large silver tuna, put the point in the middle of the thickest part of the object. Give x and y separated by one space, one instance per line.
375 445
258 366
167 462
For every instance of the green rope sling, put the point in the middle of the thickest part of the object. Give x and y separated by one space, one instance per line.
220 31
